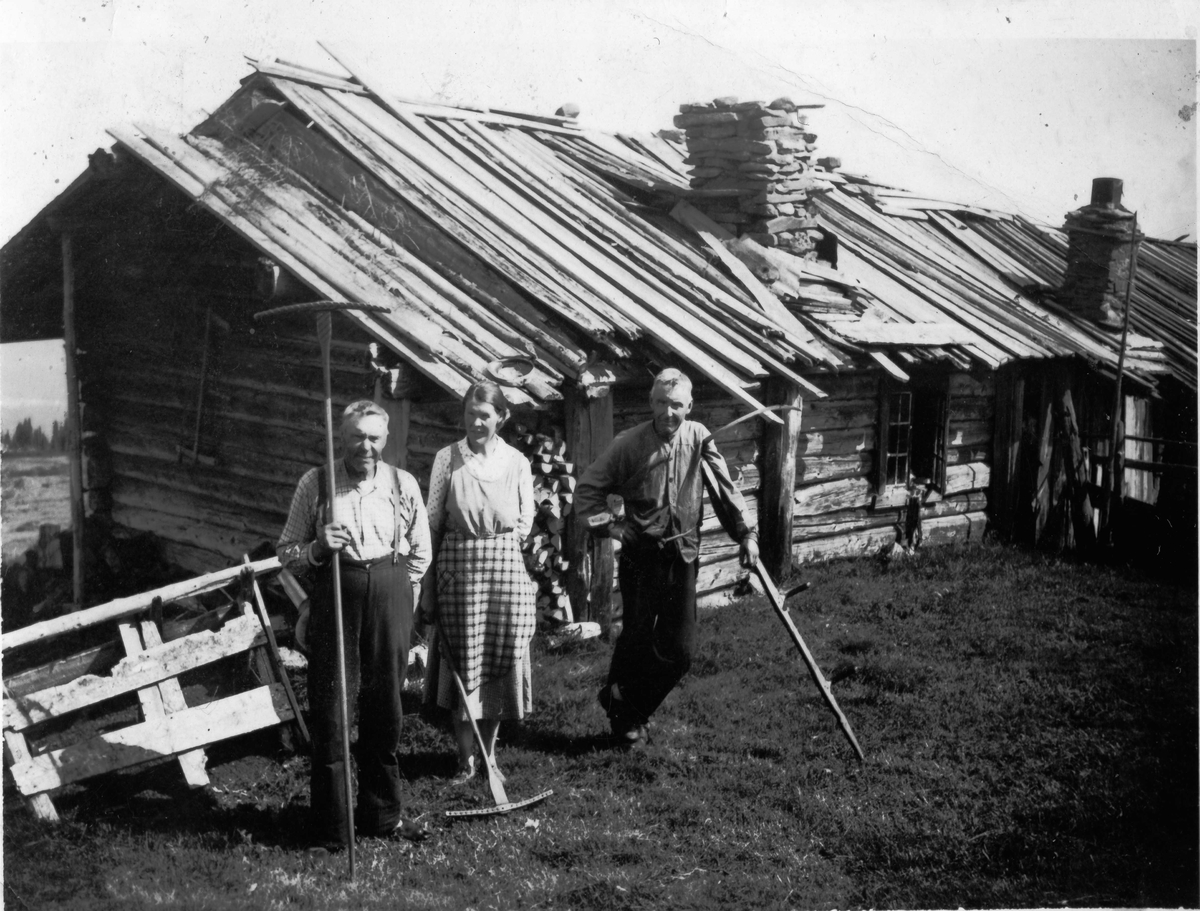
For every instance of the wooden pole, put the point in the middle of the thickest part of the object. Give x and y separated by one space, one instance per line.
74 437
778 509
1116 471
325 336
398 412
589 431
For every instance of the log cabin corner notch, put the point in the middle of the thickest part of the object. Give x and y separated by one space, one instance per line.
602 257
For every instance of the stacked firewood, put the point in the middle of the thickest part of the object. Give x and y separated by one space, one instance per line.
554 493
753 162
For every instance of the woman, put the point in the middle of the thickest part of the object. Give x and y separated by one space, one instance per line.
480 510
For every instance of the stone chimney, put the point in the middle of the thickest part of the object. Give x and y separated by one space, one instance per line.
1099 248
750 164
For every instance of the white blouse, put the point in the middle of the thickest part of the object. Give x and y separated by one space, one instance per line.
490 494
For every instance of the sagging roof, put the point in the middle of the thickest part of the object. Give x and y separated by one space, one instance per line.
535 238
495 235
973 284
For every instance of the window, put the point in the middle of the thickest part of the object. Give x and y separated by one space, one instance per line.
913 430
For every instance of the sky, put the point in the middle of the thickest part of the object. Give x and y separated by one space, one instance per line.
1010 105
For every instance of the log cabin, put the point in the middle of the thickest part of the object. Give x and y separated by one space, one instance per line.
935 367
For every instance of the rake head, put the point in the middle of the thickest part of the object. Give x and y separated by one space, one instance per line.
500 809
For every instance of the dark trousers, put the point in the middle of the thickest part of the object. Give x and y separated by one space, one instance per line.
658 631
377 615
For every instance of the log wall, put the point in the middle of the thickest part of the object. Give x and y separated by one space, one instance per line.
838 511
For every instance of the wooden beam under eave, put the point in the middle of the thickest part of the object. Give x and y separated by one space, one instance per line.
589 431
776 512
1006 448
74 438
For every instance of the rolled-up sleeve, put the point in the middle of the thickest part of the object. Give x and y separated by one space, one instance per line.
599 480
420 548
294 547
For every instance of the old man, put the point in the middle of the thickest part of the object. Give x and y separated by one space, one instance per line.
656 468
382 534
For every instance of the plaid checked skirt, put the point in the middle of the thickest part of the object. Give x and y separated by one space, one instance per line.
487 608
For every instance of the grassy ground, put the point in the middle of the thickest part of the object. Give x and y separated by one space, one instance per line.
36 489
1031 737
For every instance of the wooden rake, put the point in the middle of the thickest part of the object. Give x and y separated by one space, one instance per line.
495 784
324 310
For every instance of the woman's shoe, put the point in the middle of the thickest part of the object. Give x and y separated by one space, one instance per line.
463 775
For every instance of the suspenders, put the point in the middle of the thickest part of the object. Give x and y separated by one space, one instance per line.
323 509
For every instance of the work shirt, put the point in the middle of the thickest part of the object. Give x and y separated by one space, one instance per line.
367 507
662 484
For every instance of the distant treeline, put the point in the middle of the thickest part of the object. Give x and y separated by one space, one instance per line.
27 438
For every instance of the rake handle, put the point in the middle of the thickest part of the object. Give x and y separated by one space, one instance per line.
818 678
493 774
325 336
776 600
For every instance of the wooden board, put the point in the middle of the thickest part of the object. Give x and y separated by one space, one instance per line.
151 740
149 667
875 332
127 607
971 476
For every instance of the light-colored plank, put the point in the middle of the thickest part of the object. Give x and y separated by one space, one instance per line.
147 668
16 750
829 496
972 476
177 733
876 332
192 762
127 607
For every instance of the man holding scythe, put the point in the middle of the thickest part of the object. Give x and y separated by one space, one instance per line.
659 468
382 536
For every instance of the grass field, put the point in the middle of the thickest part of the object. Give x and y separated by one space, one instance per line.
1031 736
36 489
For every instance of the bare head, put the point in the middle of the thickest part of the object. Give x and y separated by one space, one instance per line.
670 400
485 409
364 434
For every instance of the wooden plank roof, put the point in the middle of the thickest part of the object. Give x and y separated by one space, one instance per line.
495 234
553 211
978 280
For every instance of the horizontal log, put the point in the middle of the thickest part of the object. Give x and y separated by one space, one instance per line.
973 409
720 574
192 558
203 511
229 543
255 493
101 658
965 385
144 669
971 476
127 607
839 414
851 520
831 496
854 544
958 455
954 529
837 442
178 732
811 469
